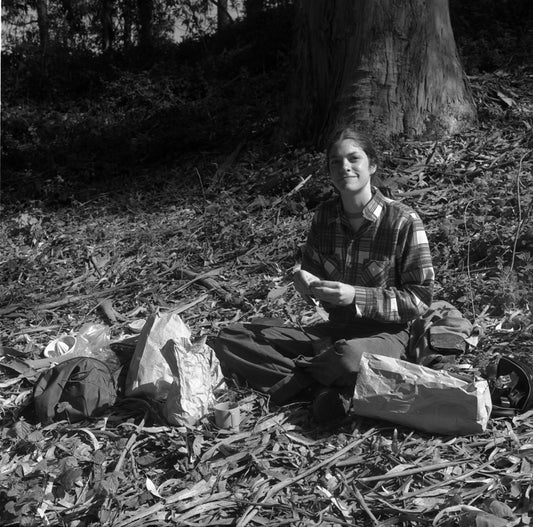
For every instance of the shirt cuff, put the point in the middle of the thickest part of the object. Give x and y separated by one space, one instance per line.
356 308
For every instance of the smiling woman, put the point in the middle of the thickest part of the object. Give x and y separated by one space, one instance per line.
367 261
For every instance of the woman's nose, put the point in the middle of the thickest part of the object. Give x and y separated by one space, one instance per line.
346 165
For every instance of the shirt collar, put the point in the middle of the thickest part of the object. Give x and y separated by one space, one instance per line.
373 209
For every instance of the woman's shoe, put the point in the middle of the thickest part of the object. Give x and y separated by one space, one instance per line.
332 403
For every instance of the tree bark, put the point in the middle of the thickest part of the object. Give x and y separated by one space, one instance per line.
145 8
223 16
127 17
384 66
106 18
42 22
253 8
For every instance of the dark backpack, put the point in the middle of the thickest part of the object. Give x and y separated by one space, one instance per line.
441 331
74 389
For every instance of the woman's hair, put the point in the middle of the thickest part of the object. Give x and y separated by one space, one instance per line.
362 140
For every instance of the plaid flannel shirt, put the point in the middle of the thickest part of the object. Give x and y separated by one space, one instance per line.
387 260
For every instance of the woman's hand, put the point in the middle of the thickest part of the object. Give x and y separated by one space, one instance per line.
302 283
333 293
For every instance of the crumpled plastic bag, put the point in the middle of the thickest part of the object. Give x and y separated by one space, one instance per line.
197 374
91 340
149 373
166 365
421 398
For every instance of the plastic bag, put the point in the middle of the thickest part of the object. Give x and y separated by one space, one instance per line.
91 340
149 373
196 372
167 365
419 397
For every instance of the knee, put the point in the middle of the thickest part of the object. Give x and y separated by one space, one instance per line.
348 362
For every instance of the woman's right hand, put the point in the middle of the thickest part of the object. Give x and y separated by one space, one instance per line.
302 282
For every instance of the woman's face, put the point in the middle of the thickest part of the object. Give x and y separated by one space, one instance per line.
349 167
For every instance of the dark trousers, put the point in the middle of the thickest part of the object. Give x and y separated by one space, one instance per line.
284 361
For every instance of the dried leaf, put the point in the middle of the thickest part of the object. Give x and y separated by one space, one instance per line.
501 509
22 429
277 292
152 488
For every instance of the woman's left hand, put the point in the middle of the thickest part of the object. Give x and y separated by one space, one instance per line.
334 293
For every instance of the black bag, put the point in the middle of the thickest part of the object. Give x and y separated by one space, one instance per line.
511 388
74 389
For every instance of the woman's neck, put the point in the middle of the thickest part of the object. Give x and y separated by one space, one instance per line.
355 203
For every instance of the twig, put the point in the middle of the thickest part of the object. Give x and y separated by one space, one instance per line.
68 299
454 508
251 512
201 186
289 481
444 483
212 285
520 221
293 191
187 305
197 278
468 264
411 471
129 444
364 506
112 315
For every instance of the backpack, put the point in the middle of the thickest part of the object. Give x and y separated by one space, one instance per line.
74 389
441 331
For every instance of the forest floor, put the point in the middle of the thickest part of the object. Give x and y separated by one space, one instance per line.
217 242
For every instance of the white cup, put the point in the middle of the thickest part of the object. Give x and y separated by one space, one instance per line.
227 416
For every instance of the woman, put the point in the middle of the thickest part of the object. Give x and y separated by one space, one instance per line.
367 261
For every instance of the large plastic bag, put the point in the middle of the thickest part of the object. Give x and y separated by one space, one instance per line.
167 365
419 397
149 373
197 374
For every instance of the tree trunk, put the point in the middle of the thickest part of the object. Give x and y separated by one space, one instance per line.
127 17
106 17
145 8
42 22
387 67
223 16
253 8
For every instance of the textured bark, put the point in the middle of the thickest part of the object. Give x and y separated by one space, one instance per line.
127 17
145 23
223 16
387 66
253 8
106 18
42 22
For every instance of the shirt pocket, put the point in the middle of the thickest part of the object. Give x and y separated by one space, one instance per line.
332 267
375 273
